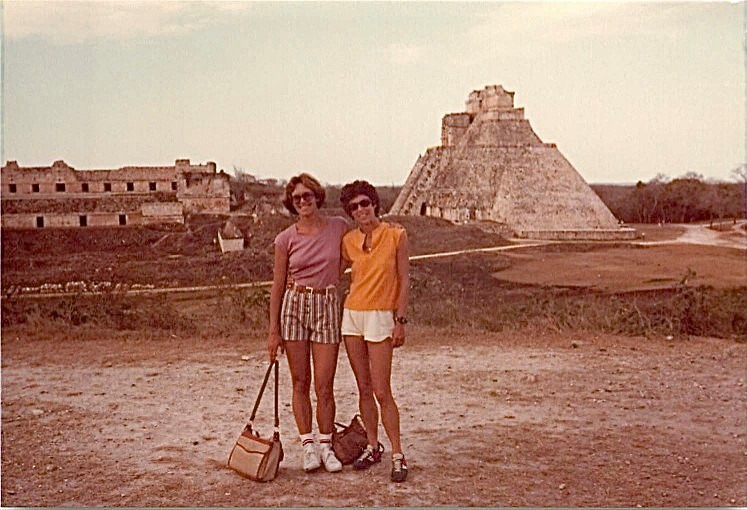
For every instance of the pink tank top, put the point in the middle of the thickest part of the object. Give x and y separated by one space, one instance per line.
314 260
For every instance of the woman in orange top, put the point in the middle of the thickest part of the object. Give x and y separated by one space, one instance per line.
373 318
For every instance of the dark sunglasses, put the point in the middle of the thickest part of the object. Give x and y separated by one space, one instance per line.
352 206
307 196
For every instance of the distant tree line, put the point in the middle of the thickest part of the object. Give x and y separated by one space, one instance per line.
685 199
247 188
387 196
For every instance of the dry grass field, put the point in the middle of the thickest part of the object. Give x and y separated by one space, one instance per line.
574 374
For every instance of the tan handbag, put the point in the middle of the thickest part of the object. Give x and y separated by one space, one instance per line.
252 456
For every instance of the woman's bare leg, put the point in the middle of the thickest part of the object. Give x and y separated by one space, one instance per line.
380 360
357 350
325 365
300 369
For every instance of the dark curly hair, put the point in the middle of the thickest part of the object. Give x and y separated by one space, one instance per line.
308 181
355 188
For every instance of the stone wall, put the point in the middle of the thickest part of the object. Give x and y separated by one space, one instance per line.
48 179
453 127
205 205
156 211
62 220
203 192
115 203
492 97
596 234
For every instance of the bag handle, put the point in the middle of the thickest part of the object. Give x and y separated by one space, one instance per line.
356 417
249 425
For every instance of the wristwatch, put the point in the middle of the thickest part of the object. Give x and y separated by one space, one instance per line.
401 319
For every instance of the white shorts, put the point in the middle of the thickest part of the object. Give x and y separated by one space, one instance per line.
372 325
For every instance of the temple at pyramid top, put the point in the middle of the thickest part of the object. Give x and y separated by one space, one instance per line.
492 166
493 109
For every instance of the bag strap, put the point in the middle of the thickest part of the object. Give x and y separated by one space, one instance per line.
276 434
356 417
259 397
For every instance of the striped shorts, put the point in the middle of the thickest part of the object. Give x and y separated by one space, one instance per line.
310 317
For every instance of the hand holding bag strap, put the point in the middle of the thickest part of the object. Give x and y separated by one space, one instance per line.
261 392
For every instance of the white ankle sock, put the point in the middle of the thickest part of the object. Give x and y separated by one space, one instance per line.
325 440
307 438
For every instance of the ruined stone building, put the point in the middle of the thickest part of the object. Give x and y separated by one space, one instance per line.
492 166
61 196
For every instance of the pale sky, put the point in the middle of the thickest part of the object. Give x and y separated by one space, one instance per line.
358 90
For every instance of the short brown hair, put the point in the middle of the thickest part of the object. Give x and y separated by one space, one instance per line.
355 188
308 181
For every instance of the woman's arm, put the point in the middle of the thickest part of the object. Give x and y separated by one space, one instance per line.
344 264
279 274
403 277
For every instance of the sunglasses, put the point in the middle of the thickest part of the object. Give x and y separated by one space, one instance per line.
353 206
307 196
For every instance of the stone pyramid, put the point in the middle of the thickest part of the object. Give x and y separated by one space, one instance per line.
491 166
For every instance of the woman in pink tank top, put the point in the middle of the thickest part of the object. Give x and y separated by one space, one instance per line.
305 313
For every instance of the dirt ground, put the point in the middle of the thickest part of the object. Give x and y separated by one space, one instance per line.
630 267
97 417
509 419
667 255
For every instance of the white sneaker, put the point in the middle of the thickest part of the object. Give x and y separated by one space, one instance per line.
311 460
330 460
